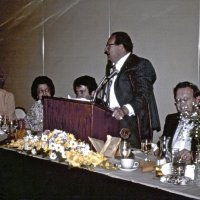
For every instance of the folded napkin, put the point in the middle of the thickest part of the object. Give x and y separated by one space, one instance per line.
109 148
147 166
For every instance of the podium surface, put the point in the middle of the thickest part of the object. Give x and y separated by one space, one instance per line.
81 118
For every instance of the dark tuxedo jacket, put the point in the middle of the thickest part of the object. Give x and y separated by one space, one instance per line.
170 126
134 86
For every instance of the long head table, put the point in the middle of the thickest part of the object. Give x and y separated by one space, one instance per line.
26 177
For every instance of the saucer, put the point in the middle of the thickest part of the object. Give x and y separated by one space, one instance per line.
128 170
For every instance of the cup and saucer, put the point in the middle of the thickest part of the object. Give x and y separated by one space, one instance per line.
128 164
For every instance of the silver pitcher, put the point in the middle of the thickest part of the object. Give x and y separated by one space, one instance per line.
125 149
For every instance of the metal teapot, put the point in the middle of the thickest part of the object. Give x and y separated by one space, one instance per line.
125 149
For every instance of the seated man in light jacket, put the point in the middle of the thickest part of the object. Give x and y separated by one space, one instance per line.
7 101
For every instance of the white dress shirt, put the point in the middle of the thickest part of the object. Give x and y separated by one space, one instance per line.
182 139
113 100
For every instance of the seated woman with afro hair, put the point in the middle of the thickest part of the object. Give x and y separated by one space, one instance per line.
41 86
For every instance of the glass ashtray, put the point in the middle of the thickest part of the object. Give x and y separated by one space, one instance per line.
176 180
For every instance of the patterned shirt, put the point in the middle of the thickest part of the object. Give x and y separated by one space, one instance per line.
34 117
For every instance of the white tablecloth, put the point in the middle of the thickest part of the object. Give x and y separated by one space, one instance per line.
144 178
149 179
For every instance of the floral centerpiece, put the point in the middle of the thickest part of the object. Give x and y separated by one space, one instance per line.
195 132
195 119
60 146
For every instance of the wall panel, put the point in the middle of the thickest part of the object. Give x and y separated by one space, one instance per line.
66 39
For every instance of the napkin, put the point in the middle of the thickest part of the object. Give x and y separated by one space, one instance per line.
147 166
78 99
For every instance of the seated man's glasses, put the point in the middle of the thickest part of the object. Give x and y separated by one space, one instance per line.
183 100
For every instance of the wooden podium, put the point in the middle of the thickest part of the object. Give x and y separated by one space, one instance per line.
81 118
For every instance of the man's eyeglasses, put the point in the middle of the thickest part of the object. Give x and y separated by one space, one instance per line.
184 100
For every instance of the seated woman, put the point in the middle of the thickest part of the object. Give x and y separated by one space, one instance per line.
41 86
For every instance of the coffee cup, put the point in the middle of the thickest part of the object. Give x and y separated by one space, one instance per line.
128 163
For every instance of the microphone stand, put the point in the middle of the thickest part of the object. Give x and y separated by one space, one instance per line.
103 82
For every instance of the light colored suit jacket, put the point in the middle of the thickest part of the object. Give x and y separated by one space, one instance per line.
7 104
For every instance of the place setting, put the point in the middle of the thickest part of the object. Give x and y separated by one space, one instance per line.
128 164
8 128
177 172
170 168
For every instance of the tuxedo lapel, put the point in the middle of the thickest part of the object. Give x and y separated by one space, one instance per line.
171 124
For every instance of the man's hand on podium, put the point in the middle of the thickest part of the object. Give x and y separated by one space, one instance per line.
119 113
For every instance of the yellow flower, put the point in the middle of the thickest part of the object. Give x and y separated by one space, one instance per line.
71 136
45 147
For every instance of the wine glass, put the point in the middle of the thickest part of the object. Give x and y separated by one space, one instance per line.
1 120
176 162
13 126
146 148
5 124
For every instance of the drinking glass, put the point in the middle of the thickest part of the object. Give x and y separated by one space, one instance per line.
5 124
178 165
1 120
146 148
179 168
13 125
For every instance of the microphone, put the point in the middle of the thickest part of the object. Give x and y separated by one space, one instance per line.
103 82
114 72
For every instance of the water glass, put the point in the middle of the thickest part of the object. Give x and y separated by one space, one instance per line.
179 168
146 148
178 165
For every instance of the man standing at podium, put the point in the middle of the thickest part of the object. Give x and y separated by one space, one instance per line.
129 91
